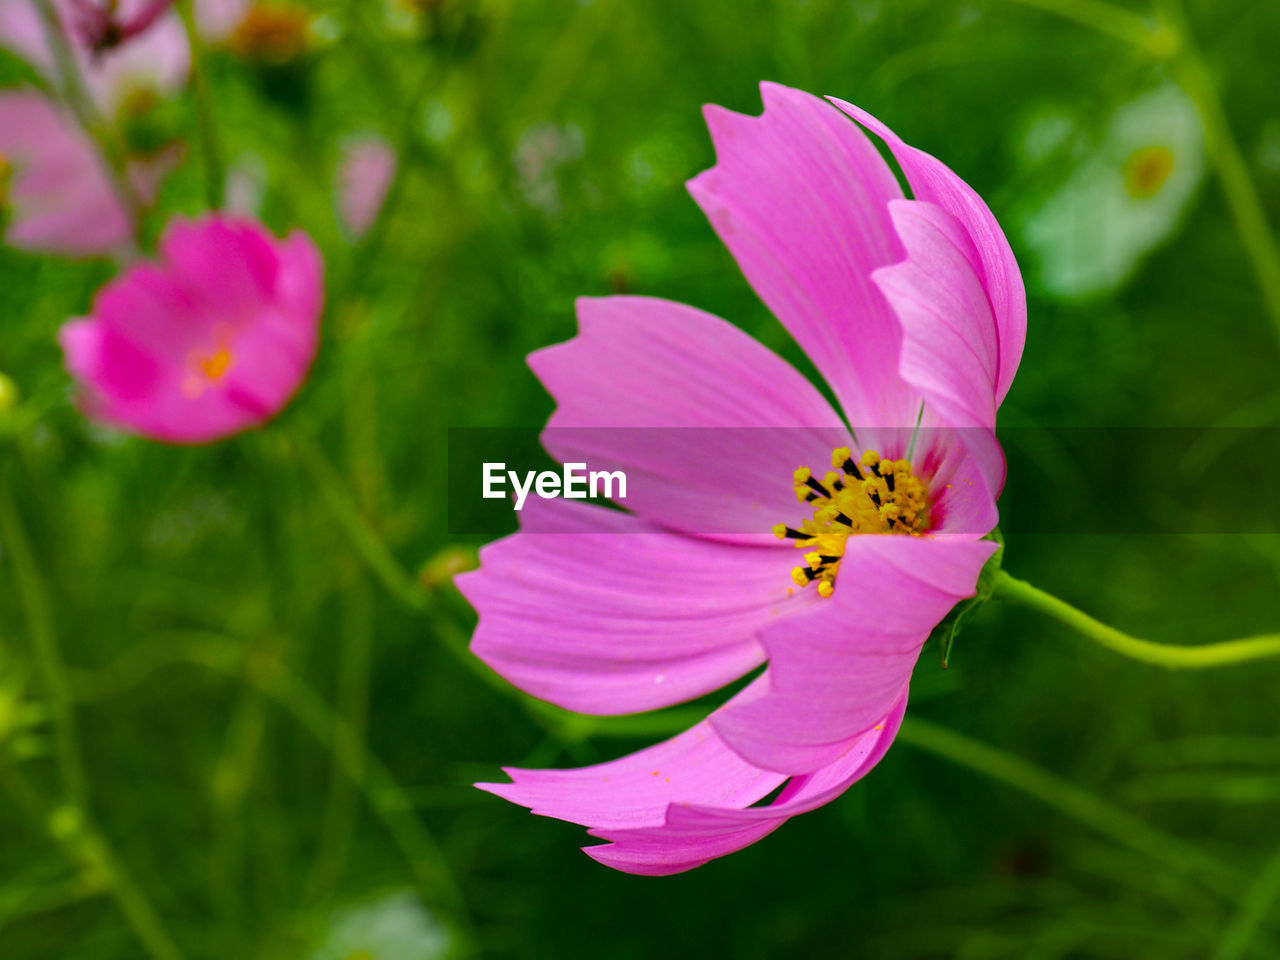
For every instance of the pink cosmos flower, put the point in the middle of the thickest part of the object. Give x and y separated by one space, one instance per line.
211 341
59 197
155 62
365 172
913 311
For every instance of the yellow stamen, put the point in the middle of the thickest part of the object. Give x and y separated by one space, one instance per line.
5 170
871 495
216 365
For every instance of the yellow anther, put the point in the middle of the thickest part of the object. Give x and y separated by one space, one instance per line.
780 531
216 365
892 500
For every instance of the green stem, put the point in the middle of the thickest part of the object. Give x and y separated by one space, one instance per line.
1071 800
87 850
1169 656
355 659
210 141
35 602
567 728
48 656
368 545
385 796
383 793
1228 162
77 98
1255 907
1103 18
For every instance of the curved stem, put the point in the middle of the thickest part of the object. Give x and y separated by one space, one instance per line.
1102 17
1254 908
1238 187
46 651
91 844
1169 656
382 791
1071 800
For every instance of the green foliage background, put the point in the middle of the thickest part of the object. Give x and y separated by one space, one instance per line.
216 613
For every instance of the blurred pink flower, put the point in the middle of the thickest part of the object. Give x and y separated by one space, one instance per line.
213 340
156 61
218 19
59 196
911 310
365 172
103 24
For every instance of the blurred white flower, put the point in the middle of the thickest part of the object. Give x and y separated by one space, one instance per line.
539 153
1126 196
394 926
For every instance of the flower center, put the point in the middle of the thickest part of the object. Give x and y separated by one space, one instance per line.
206 370
215 366
1146 170
871 496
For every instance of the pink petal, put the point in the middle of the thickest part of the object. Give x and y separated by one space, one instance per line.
932 181
364 175
218 19
608 614
158 59
60 197
641 372
693 833
227 289
635 790
676 805
800 197
840 666
949 349
22 31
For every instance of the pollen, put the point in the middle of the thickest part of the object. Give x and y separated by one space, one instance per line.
215 366
205 370
870 495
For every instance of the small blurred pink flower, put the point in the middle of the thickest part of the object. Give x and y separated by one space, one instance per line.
59 197
157 60
103 24
914 312
365 172
213 340
219 19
